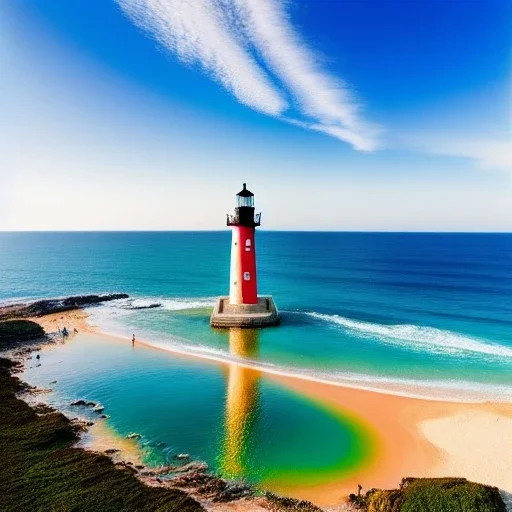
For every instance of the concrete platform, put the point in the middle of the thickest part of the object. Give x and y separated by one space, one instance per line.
263 314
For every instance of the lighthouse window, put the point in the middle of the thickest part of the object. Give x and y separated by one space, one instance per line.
248 245
245 201
247 276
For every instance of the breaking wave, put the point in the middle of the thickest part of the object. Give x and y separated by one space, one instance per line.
416 337
168 304
114 318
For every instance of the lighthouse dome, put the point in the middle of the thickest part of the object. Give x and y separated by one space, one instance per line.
245 197
244 192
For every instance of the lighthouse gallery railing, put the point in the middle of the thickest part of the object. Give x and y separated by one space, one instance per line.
234 220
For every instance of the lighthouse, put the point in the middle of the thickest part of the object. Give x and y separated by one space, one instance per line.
244 307
243 287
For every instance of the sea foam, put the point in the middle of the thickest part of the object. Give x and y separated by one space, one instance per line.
451 390
417 337
169 304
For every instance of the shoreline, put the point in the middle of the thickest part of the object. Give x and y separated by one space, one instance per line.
446 391
415 436
435 391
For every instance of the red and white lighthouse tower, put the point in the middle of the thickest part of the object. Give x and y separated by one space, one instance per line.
243 287
243 307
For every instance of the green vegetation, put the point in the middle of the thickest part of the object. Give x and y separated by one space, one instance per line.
434 495
277 503
40 472
19 330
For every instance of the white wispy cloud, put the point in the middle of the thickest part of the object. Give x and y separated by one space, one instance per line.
197 31
485 153
229 39
327 101
493 155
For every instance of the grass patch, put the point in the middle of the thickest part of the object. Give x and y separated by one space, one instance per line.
19 330
435 495
39 471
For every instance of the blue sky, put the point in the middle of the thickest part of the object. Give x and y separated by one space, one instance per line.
349 115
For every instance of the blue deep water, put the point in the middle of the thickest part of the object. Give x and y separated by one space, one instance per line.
414 310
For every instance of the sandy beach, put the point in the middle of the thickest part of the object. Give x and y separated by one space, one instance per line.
414 437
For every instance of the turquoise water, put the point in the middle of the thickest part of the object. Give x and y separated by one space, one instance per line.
415 312
420 314
242 424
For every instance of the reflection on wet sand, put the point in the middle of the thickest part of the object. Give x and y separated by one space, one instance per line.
241 402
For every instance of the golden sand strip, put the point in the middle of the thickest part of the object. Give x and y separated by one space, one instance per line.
416 437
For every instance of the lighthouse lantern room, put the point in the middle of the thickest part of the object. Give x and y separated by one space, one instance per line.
243 307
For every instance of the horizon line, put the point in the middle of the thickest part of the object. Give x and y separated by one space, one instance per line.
260 230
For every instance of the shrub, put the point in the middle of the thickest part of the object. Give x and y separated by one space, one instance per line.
436 495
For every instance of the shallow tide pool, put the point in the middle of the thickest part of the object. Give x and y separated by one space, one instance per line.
244 425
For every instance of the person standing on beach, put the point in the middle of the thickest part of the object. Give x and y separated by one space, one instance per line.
133 340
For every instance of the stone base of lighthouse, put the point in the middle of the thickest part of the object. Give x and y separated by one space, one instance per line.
263 314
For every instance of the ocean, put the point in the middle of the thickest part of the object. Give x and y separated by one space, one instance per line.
418 314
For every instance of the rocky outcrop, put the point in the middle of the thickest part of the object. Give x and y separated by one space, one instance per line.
49 306
78 403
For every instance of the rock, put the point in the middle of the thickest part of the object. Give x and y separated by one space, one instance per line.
38 391
90 404
139 466
78 402
196 467
133 435
110 451
104 416
126 466
230 492
98 408
82 424
163 470
42 408
149 306
49 306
